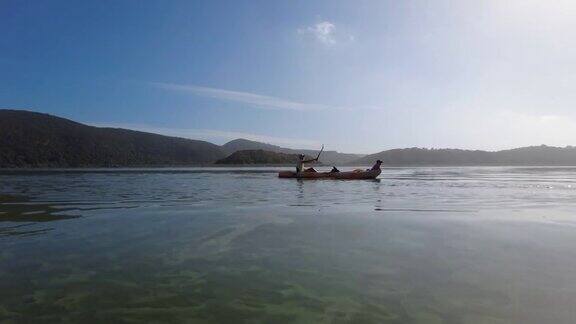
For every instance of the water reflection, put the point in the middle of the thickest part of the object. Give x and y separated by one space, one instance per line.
22 230
20 209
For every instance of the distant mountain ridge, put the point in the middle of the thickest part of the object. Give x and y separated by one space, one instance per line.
532 155
259 157
34 140
327 157
31 140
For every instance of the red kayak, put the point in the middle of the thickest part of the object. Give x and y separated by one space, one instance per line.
348 175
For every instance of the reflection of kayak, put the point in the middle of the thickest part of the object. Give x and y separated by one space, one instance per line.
352 175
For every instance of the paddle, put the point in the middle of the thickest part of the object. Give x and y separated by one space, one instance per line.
322 149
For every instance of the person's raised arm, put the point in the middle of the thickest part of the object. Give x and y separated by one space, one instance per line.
317 157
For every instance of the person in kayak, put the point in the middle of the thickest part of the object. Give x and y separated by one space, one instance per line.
376 166
300 164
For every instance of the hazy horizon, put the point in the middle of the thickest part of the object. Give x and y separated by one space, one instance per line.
359 77
205 134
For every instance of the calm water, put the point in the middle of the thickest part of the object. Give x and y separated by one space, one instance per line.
418 245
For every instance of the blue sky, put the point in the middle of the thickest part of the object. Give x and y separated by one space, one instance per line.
358 76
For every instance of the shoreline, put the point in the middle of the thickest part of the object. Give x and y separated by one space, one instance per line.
247 167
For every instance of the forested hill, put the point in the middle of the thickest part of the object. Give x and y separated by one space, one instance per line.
533 155
30 139
327 157
259 157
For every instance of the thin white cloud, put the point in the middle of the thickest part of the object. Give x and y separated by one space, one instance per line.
215 136
324 32
253 99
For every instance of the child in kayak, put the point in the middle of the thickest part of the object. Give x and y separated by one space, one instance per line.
300 164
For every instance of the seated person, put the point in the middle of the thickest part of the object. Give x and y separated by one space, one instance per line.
376 166
300 164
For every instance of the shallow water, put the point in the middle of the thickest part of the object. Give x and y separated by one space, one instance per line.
418 245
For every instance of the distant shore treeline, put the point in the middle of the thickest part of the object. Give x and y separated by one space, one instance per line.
530 156
32 140
259 157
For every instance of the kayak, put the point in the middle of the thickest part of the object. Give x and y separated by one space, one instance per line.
348 175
